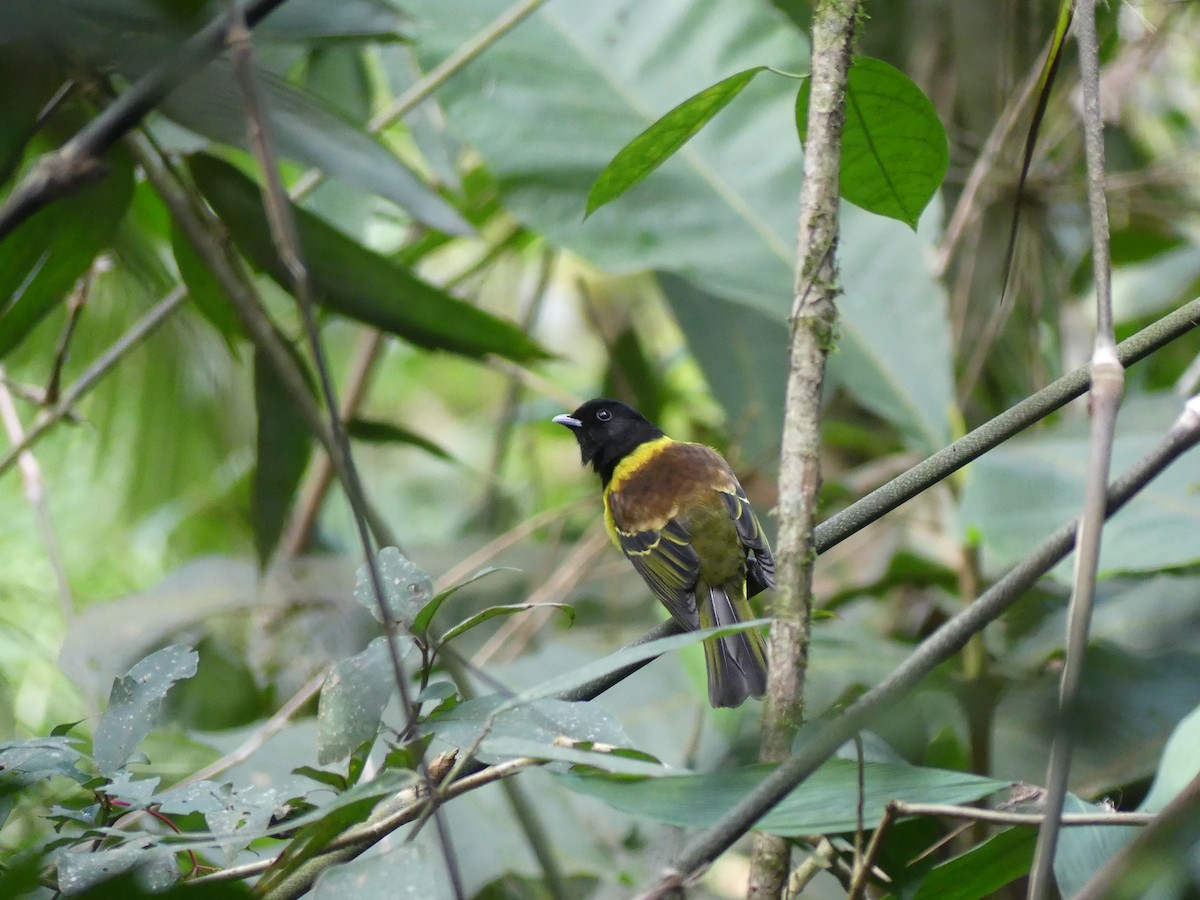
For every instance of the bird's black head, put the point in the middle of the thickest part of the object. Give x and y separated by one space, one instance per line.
608 431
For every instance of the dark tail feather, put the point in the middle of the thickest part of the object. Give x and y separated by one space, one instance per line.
737 663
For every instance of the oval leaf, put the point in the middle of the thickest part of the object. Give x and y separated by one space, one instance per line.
894 151
134 702
353 698
283 449
407 587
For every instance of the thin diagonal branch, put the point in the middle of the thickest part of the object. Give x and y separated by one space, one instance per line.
79 160
282 223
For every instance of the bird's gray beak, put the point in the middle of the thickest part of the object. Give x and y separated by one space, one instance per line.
570 421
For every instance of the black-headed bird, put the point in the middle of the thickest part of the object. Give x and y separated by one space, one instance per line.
678 514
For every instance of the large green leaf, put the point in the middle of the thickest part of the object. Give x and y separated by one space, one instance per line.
307 130
721 212
894 153
283 448
826 803
982 870
1022 491
42 259
401 870
357 282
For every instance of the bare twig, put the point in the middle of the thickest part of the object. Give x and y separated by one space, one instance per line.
1108 383
320 474
282 223
1000 817
75 304
813 319
971 446
132 338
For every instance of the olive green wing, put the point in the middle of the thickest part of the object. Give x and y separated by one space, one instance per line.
665 559
760 562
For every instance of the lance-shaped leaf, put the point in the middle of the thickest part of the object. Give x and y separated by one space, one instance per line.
505 610
420 624
356 282
824 804
660 141
284 446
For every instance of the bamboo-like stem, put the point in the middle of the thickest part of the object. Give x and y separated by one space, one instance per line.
1108 384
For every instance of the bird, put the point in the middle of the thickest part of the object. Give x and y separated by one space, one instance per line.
678 513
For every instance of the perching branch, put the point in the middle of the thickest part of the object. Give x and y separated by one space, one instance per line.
1012 421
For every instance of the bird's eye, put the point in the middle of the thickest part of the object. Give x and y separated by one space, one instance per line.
603 415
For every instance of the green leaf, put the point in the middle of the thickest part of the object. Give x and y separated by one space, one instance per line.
41 260
380 875
204 289
504 610
356 282
1021 491
894 152
407 587
305 129
420 625
658 143
378 432
982 870
826 803
283 448
557 730
134 702
155 866
335 780
353 699
40 758
28 80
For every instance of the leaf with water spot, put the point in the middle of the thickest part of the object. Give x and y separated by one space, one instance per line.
134 703
353 699
407 588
